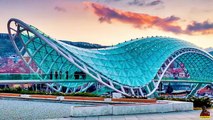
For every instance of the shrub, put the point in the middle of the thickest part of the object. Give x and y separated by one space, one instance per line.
22 91
11 90
161 98
136 97
199 102
82 94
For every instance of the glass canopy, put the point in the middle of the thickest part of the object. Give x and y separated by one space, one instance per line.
133 63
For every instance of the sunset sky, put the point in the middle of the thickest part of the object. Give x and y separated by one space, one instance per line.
109 22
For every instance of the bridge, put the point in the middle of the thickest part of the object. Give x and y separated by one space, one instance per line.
133 68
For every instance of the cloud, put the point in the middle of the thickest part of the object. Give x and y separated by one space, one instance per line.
142 21
154 3
136 2
59 9
204 28
108 1
138 20
139 3
171 19
145 2
113 0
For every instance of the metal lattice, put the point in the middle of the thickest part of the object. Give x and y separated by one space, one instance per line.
128 68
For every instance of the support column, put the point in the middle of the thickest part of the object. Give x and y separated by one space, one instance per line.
194 90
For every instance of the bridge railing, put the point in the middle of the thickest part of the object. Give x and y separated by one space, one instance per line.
14 76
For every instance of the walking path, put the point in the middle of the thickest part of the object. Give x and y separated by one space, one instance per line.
13 109
188 115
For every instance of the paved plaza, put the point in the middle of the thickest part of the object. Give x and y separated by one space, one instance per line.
188 115
12 109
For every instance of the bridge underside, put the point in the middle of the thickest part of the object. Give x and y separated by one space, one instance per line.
119 69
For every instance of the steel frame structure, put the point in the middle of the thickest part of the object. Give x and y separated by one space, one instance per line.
28 34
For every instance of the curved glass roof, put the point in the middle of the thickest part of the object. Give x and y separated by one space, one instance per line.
133 63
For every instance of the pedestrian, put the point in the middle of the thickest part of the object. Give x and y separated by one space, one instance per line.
169 90
60 73
56 75
67 75
51 75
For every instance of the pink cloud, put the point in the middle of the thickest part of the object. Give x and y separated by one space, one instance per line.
141 20
138 20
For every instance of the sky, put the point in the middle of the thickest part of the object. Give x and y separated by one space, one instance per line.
109 22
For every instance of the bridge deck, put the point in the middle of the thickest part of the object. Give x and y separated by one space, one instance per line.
43 81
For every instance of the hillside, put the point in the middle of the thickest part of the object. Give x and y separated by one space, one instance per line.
6 47
11 63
